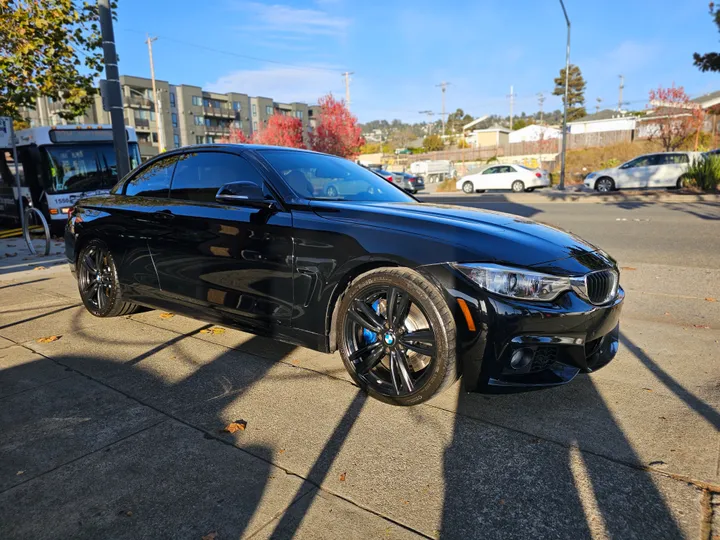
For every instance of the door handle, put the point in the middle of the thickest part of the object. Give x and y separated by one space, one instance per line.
164 214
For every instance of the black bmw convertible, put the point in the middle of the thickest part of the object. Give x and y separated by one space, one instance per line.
412 295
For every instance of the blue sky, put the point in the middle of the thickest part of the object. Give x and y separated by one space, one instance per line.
399 50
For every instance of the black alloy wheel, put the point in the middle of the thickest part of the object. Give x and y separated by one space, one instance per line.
98 282
396 336
605 185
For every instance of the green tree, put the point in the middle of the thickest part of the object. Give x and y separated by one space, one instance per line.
456 121
710 61
432 143
520 123
49 48
576 92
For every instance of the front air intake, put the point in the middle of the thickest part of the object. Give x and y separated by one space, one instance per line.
601 287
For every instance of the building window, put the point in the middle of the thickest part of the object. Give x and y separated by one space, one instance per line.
199 139
149 94
237 106
210 139
154 137
197 100
255 126
208 123
152 115
172 99
176 140
268 110
141 114
254 108
199 120
298 114
237 124
173 116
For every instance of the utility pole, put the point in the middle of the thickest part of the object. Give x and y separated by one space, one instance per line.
347 87
620 92
597 107
158 103
114 98
511 95
565 104
541 101
443 85
430 115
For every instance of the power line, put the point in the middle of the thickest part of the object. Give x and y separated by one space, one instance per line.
228 53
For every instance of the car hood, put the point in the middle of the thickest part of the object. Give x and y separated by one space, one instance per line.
473 235
605 172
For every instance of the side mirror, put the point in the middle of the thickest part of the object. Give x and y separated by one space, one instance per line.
244 194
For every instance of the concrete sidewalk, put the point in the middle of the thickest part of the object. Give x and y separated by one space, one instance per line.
115 429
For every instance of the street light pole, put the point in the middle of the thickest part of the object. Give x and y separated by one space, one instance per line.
565 108
112 75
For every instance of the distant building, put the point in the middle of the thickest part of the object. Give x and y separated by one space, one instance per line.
534 133
606 120
492 136
190 115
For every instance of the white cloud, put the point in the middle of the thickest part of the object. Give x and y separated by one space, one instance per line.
285 84
294 21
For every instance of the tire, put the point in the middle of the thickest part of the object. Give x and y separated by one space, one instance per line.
384 363
98 282
518 186
468 187
605 184
479 191
331 191
682 182
529 190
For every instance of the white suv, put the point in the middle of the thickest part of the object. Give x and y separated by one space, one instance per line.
664 169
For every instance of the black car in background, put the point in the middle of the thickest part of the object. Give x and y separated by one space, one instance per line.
412 295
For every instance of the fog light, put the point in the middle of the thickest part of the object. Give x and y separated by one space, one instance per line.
521 358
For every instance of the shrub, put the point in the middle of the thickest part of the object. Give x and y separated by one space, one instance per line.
704 173
447 185
610 163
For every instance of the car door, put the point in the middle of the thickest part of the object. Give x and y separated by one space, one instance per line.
672 168
227 260
635 173
131 225
489 178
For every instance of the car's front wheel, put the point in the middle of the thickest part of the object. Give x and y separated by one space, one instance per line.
396 336
605 185
518 186
98 282
468 187
331 191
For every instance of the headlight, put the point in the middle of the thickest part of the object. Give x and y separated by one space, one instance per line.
515 283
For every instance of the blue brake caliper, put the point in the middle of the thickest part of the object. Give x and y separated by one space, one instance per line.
369 336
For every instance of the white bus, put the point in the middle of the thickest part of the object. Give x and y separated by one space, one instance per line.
59 165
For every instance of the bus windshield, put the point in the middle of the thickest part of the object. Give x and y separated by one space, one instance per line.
82 167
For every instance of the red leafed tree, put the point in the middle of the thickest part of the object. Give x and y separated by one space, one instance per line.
337 131
237 136
674 118
282 131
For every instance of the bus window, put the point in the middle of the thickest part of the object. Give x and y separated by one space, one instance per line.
7 169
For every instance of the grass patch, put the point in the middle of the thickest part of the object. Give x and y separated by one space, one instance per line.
447 185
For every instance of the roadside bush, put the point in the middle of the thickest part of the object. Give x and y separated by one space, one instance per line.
704 173
610 163
447 185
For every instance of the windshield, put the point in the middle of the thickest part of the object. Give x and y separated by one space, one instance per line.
319 176
82 167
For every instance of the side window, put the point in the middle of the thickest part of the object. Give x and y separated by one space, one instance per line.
199 177
676 159
491 170
152 181
508 169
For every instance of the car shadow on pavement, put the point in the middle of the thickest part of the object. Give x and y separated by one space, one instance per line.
705 410
506 491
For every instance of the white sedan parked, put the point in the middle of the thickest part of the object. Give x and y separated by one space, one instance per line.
515 177
664 169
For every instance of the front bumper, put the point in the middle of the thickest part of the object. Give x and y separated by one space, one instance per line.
551 341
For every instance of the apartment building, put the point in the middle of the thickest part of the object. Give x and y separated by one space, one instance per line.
188 114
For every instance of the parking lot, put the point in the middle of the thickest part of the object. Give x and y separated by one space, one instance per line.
115 427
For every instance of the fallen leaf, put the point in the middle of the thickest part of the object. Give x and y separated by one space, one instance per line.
342 476
710 299
502 501
667 313
707 327
210 536
40 268
19 473
48 339
655 463
628 268
127 513
213 330
237 425
648 389
281 451
167 315
295 362
662 418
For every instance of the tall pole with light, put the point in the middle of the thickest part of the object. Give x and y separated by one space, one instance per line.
565 108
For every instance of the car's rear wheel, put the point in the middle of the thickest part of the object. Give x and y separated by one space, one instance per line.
468 187
331 191
518 186
396 336
605 185
98 282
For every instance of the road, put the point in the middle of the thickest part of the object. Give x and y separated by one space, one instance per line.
115 429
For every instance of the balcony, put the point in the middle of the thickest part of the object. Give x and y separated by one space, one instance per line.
138 102
142 124
217 130
219 112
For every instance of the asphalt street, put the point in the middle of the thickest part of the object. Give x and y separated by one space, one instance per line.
114 429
